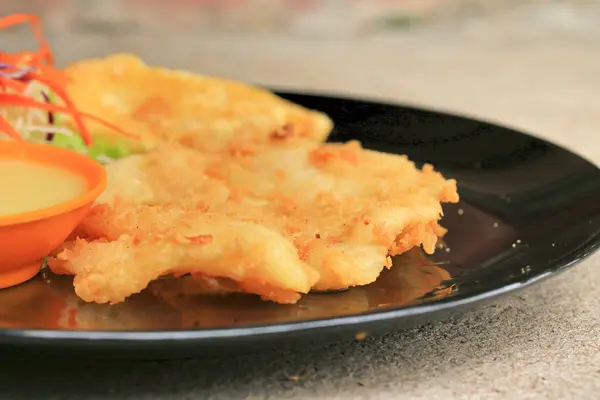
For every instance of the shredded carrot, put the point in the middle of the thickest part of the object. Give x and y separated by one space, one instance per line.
50 74
21 100
60 92
9 130
44 53
41 70
78 114
11 84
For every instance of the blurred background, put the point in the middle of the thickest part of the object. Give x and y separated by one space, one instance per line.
318 19
531 64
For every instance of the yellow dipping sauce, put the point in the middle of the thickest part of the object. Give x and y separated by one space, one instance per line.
29 186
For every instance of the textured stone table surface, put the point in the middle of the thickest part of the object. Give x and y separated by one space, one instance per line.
533 68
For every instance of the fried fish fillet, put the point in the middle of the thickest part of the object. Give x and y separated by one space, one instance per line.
162 105
309 216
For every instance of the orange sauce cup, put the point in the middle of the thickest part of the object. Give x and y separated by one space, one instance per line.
27 238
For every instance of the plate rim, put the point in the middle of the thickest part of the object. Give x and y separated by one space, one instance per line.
423 107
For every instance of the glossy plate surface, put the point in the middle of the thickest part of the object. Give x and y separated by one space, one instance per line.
529 209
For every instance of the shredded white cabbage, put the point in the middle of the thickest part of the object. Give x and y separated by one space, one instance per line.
32 123
33 126
60 130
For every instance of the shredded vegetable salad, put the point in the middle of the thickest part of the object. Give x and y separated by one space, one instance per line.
34 100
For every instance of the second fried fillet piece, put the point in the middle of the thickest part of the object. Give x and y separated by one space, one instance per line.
343 209
163 105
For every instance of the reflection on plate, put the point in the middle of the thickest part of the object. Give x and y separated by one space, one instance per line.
48 302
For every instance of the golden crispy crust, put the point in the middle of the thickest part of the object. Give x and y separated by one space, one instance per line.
323 217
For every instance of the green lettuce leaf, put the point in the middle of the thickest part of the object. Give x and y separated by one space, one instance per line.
100 149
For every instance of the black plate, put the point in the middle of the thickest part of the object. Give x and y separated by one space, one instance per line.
529 210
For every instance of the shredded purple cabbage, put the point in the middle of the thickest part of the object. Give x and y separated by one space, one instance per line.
19 73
